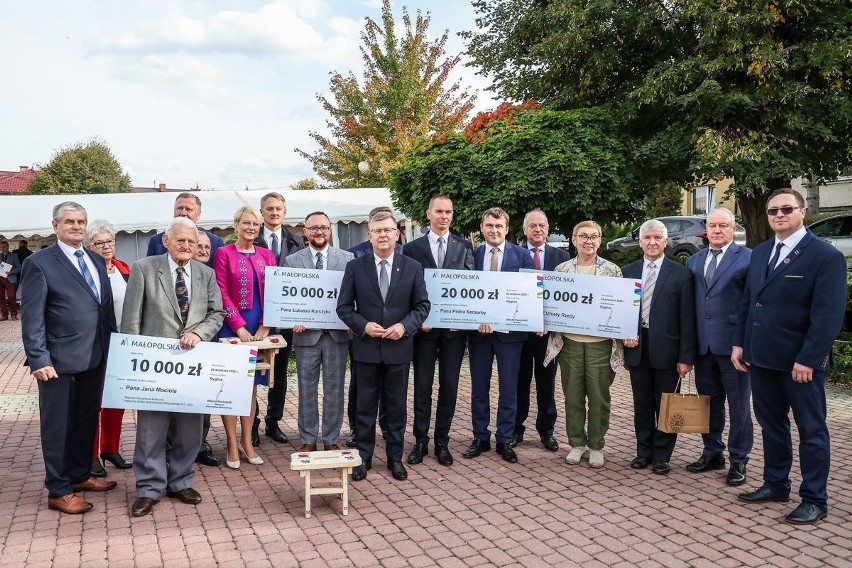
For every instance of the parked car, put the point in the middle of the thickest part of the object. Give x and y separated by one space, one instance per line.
836 230
687 235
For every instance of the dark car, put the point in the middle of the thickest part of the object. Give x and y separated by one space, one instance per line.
687 235
836 230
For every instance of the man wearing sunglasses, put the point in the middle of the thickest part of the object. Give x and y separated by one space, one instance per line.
791 311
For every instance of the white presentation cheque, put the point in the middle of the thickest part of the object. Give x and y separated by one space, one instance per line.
301 296
154 373
463 299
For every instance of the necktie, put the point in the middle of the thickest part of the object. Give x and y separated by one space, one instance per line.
441 252
536 258
771 266
274 246
711 268
181 293
86 274
648 292
319 261
384 283
495 256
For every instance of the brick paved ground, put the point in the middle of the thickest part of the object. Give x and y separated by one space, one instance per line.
482 512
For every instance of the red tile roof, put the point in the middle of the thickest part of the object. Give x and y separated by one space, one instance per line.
16 182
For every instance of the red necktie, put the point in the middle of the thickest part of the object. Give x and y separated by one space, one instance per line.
536 259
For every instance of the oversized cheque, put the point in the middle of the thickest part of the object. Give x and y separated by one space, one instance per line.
463 299
154 373
302 296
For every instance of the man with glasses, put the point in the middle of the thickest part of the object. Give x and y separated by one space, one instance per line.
324 349
544 257
791 311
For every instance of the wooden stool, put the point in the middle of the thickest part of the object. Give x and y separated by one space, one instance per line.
344 460
267 349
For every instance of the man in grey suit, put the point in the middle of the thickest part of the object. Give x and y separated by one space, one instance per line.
170 295
320 348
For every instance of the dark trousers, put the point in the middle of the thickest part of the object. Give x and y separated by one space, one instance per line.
716 377
774 394
205 445
68 415
389 382
648 386
278 392
532 363
448 352
482 354
352 403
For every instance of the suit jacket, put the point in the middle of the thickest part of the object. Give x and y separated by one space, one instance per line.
360 302
671 322
514 258
151 307
794 314
156 246
12 258
62 322
336 259
717 306
553 256
237 289
291 244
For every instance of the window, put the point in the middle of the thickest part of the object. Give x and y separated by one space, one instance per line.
702 200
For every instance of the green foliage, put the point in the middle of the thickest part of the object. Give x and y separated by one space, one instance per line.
564 162
841 370
307 183
665 199
79 169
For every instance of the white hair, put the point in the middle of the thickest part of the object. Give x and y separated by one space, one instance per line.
181 222
653 225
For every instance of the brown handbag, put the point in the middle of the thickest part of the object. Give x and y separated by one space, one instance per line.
687 413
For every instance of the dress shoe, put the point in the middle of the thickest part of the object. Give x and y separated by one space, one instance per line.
417 452
575 455
516 439
764 494
98 469
476 447
116 460
207 458
274 432
94 484
550 444
359 473
640 463
706 464
661 468
506 452
351 440
807 514
308 448
233 464
442 453
737 474
69 504
142 506
188 495
256 460
255 436
398 470
331 447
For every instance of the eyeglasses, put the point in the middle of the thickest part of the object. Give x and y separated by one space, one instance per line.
382 231
786 210
204 247
317 229
589 238
104 244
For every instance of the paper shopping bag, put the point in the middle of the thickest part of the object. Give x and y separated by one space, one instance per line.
684 413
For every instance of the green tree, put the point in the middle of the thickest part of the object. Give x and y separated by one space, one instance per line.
81 168
307 183
403 96
759 92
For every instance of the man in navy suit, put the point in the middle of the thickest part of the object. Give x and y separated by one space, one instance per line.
186 205
495 255
383 300
67 317
791 311
439 248
718 277
544 257
664 350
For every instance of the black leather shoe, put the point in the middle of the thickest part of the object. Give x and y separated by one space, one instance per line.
117 460
442 453
351 440
661 468
359 473
417 452
142 506
736 475
255 436
188 495
98 469
763 495
639 462
807 514
274 432
550 443
704 464
207 458
517 438
398 470
506 452
476 448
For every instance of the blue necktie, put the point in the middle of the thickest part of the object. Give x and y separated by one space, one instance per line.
711 268
771 266
86 274
384 282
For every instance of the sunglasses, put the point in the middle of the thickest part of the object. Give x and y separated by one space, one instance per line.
786 210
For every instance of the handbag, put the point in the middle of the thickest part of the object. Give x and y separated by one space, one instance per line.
684 413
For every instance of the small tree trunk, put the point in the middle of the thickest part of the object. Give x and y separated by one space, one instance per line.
812 200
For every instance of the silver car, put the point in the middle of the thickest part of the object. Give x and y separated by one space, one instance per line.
835 230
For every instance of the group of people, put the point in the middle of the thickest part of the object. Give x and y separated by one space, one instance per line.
750 326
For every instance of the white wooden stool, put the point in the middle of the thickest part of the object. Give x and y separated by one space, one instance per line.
343 460
267 349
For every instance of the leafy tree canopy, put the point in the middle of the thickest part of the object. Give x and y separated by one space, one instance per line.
81 168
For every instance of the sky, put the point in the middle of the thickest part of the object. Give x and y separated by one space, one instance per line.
205 93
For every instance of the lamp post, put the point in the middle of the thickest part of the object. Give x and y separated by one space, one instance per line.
363 168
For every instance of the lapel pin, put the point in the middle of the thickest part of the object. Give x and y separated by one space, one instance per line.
786 261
